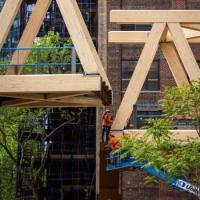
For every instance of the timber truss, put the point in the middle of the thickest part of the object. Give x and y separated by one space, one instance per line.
91 89
172 31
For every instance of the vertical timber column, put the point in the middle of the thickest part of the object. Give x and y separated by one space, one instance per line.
102 51
139 76
102 31
7 16
29 34
98 139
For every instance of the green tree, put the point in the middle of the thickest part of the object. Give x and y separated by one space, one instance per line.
14 124
43 53
177 158
14 121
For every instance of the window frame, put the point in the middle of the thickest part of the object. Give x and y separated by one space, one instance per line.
146 80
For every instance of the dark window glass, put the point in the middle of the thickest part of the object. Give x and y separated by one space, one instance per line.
152 82
54 22
136 27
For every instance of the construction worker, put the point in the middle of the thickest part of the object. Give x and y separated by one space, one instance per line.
113 144
106 125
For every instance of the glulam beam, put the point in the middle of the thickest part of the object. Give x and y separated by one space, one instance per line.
49 83
181 135
154 16
140 37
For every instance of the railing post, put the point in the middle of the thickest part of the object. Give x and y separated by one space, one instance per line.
73 62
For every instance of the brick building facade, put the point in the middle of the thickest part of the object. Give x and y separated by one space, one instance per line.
115 57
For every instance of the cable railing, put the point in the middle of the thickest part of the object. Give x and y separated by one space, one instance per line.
41 60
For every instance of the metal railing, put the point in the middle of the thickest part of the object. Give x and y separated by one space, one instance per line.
41 60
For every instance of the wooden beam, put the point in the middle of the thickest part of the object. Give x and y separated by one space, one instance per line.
174 64
44 96
65 95
29 35
23 96
80 100
139 76
184 51
153 16
192 26
194 40
49 83
81 39
140 37
182 135
128 37
7 16
18 102
189 34
71 102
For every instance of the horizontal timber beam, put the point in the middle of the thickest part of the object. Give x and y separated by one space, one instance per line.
128 37
43 96
72 99
153 16
176 134
71 102
140 37
49 83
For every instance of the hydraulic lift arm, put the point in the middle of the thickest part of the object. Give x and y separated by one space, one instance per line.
115 163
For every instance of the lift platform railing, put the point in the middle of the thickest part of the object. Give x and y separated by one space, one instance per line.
41 60
116 162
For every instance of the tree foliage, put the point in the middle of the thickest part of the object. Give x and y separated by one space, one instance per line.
14 121
47 57
158 147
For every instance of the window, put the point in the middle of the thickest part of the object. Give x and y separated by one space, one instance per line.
143 116
136 27
152 82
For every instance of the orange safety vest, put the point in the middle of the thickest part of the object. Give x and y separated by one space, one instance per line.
107 120
113 143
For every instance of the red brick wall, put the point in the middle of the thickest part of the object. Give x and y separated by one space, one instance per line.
178 4
192 4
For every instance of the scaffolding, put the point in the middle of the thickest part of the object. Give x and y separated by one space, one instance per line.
72 158
70 169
